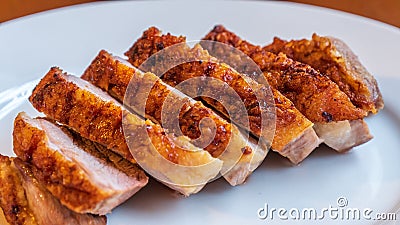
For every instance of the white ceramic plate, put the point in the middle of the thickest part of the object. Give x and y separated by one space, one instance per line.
368 176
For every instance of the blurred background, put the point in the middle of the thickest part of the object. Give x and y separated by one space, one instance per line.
387 11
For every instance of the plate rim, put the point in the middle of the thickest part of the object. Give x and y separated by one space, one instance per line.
303 6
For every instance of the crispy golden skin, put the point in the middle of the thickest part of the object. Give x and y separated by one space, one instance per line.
96 116
63 165
47 209
114 76
334 58
12 195
290 123
80 110
97 120
313 94
25 201
150 43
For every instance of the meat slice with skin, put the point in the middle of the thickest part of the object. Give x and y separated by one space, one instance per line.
332 57
291 125
72 169
27 201
13 200
115 75
314 94
98 117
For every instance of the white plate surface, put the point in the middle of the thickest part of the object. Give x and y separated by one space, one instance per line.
368 176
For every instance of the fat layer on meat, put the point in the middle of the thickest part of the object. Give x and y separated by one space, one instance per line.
72 169
27 202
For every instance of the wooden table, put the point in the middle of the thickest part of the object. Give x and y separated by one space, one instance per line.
387 11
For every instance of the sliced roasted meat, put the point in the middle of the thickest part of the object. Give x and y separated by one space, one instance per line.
116 76
13 200
294 136
72 169
291 125
96 116
25 201
332 57
313 94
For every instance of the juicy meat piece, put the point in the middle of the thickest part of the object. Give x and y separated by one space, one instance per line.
116 76
334 58
72 169
13 200
96 116
30 203
55 213
91 113
291 128
202 65
290 123
314 94
343 135
298 148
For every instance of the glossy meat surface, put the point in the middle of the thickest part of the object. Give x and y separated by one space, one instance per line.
290 123
72 169
114 75
314 94
27 202
332 57
98 117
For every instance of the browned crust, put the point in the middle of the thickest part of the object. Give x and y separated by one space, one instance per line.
92 118
61 214
108 157
313 94
152 38
290 122
94 115
95 119
151 42
334 58
17 205
114 77
62 177
12 195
